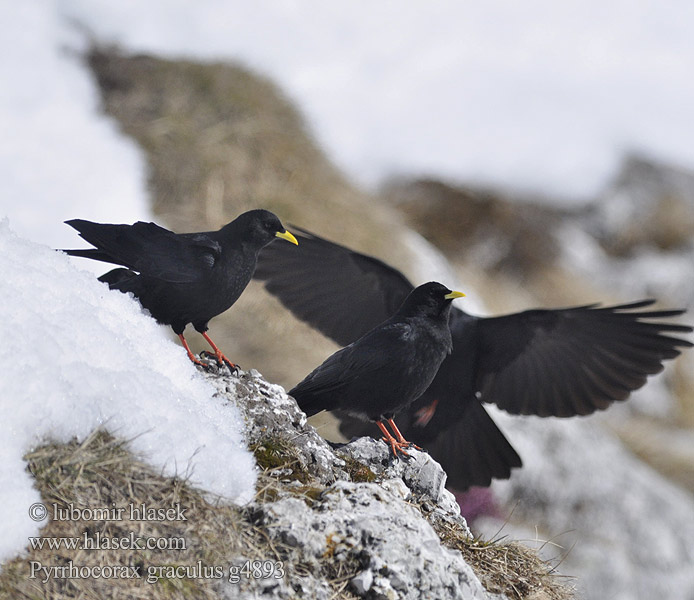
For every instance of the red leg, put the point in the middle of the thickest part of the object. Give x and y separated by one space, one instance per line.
221 359
399 437
425 413
395 445
190 354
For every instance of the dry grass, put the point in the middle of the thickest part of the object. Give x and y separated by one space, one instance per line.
508 568
504 236
100 472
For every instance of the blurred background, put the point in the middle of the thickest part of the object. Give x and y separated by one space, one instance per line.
534 154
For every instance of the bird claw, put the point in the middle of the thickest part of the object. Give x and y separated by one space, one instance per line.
220 361
209 360
396 447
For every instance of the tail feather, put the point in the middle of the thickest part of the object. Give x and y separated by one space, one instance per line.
117 276
472 451
93 253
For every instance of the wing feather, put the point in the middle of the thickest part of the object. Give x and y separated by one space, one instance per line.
571 361
149 249
341 293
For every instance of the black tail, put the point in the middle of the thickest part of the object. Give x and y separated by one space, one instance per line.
472 451
93 253
117 276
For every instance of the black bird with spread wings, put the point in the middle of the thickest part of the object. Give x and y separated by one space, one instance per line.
545 362
182 278
387 368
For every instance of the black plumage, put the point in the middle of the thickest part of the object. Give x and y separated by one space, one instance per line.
387 368
555 362
182 278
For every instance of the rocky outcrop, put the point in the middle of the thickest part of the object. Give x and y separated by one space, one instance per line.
353 510
327 521
362 516
219 139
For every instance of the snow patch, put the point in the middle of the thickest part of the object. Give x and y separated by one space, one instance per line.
77 356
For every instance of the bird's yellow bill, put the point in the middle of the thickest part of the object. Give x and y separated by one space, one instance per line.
285 235
453 295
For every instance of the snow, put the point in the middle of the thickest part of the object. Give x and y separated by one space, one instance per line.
59 159
540 95
623 528
77 356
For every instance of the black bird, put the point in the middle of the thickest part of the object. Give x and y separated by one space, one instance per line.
387 368
182 278
558 362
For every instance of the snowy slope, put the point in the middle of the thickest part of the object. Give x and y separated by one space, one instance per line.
59 157
537 95
77 356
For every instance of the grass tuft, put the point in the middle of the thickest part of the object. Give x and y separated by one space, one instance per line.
508 568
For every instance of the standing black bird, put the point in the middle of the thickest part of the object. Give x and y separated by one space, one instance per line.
182 278
387 368
560 362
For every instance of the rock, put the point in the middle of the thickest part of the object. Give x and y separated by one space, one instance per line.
362 524
361 583
647 206
352 509
608 516
421 474
271 416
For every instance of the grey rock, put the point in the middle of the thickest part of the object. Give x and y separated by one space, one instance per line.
422 475
388 537
373 532
627 530
269 413
361 583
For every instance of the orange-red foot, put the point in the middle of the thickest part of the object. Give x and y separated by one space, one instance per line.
425 414
191 356
221 359
399 437
395 445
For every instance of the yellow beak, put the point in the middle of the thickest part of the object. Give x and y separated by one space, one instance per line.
453 295
285 235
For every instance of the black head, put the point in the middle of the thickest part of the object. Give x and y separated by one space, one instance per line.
429 299
259 227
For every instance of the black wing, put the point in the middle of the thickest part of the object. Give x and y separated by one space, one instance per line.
368 360
572 361
341 293
149 249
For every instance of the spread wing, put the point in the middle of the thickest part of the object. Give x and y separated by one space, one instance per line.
149 249
341 293
572 361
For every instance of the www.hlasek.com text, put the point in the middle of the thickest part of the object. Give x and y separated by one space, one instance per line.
98 541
